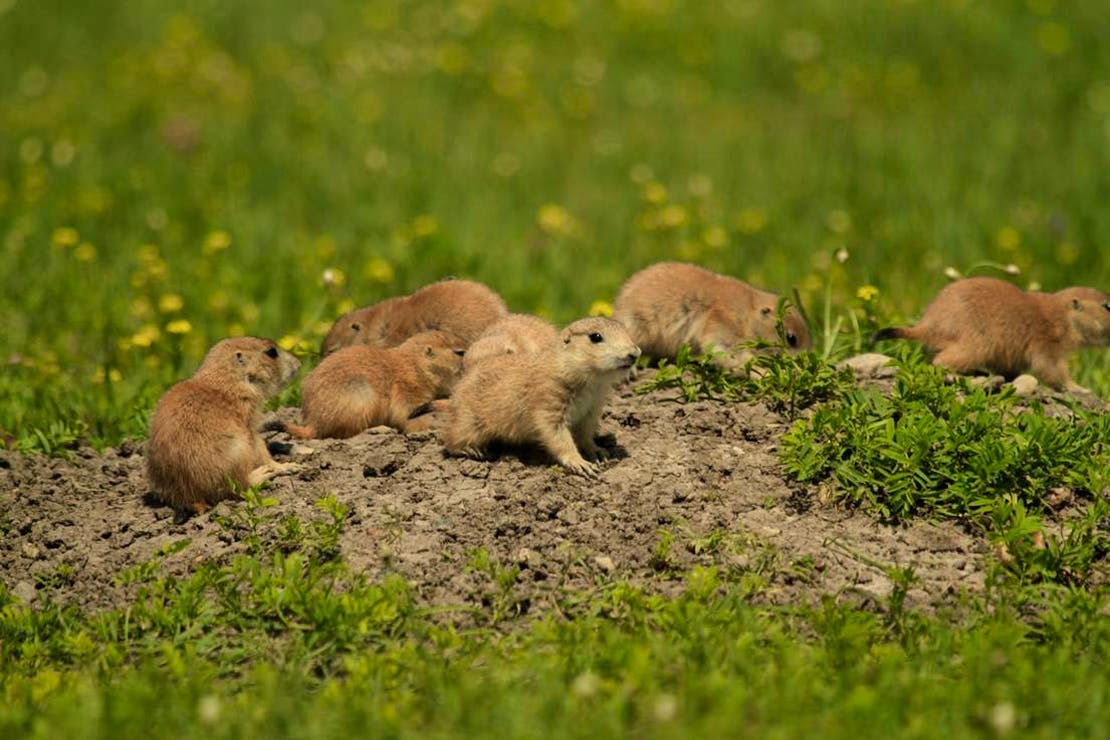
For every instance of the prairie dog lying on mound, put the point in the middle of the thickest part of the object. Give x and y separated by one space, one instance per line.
461 307
517 333
359 387
204 444
553 397
670 304
987 324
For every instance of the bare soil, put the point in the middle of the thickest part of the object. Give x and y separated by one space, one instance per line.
700 476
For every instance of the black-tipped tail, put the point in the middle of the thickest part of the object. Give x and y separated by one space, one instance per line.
275 425
891 332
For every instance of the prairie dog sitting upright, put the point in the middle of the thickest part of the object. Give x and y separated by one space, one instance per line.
553 397
461 307
670 304
987 324
204 444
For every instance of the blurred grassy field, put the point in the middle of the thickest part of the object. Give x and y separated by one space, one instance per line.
172 173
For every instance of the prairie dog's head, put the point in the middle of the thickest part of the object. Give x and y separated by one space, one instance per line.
794 327
252 362
601 344
1089 315
367 326
439 354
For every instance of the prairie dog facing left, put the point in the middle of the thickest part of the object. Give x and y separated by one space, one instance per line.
516 333
553 397
462 307
204 443
358 387
987 324
670 304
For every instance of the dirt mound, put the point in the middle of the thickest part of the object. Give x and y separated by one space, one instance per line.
694 483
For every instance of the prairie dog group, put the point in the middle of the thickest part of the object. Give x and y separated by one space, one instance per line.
670 304
553 397
462 307
358 387
204 441
987 324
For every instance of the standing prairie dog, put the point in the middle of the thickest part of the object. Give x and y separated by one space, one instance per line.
204 445
553 397
987 324
462 307
359 387
670 304
517 333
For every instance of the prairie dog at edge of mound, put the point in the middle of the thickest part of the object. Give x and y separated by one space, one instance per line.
462 307
359 387
516 333
203 434
670 304
987 324
553 397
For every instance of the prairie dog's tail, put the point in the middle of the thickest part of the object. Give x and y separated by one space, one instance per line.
892 332
296 430
431 407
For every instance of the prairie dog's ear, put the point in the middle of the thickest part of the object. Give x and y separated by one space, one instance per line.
766 310
460 352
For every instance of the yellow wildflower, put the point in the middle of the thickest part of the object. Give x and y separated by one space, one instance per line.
85 252
655 192
751 220
333 277
867 292
170 303
215 242
715 237
179 326
347 304
147 335
377 269
672 216
601 308
554 219
424 225
65 236
288 342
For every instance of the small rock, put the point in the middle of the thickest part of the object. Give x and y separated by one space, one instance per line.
528 557
1024 385
605 563
986 382
869 365
25 592
30 551
568 516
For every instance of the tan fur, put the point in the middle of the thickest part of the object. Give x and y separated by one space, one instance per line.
986 324
670 304
359 387
204 445
553 397
517 333
462 307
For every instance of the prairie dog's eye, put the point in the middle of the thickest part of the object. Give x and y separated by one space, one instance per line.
272 353
1106 306
596 337
792 339
356 326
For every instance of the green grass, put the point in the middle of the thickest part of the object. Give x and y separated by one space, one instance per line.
171 174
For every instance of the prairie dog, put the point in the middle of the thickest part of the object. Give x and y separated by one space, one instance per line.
516 333
553 397
462 307
359 387
988 324
670 304
204 444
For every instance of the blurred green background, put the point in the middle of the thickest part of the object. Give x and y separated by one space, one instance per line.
172 173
